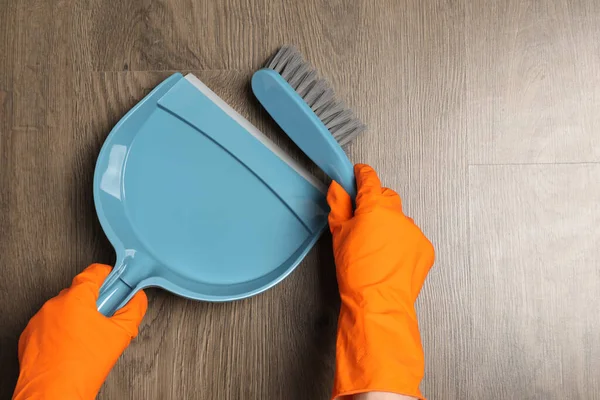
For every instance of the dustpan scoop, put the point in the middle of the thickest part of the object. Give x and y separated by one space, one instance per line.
195 200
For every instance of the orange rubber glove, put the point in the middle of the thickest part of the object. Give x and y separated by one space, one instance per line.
68 347
382 259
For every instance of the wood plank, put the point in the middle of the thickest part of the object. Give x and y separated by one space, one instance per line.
535 256
35 144
11 329
7 43
172 35
534 81
12 323
399 66
404 78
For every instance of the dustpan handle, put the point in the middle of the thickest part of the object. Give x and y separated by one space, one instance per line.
123 281
113 295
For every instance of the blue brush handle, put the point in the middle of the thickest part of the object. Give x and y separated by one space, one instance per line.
303 126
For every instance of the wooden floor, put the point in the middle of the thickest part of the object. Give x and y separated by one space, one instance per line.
484 115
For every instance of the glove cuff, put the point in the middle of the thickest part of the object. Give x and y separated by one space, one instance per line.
378 350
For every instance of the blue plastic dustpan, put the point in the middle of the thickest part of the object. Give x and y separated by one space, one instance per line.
197 201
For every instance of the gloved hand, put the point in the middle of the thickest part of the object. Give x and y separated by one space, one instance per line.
68 347
382 259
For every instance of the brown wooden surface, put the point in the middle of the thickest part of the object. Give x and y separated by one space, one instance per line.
483 115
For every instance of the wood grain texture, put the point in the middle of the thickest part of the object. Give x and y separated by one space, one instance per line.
172 34
535 81
440 83
36 133
535 256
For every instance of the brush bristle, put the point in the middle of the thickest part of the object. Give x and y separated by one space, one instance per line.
317 93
